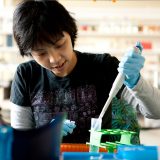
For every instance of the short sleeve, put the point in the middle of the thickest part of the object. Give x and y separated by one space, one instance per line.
19 92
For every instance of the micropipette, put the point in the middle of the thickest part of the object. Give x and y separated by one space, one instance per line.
117 84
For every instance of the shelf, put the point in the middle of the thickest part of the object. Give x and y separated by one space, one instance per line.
93 34
9 49
155 52
118 51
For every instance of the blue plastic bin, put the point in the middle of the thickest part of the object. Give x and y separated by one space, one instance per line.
6 137
138 152
87 156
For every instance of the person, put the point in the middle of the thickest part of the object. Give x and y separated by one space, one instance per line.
62 79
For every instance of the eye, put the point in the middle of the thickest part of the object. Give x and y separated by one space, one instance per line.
59 45
39 54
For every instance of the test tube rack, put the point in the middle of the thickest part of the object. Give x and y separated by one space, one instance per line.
95 138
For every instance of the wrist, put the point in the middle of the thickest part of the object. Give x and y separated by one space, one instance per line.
131 82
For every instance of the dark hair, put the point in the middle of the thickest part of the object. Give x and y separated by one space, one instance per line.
39 21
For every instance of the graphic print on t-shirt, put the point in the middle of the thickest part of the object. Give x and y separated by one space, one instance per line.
79 103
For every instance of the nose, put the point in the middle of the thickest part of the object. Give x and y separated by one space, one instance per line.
54 57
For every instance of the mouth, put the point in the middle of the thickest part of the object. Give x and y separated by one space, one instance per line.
59 67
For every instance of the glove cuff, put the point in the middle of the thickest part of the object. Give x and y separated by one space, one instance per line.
131 82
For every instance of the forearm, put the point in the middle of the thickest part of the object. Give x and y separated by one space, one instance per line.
21 117
145 98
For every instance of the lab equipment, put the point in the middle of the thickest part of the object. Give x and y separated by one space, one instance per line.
111 147
124 152
68 127
87 156
117 84
40 143
138 152
6 138
131 64
77 147
94 148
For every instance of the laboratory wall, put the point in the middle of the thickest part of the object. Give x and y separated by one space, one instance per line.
104 26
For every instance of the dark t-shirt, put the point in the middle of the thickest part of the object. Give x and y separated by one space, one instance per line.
82 94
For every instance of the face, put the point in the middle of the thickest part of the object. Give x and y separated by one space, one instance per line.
58 57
